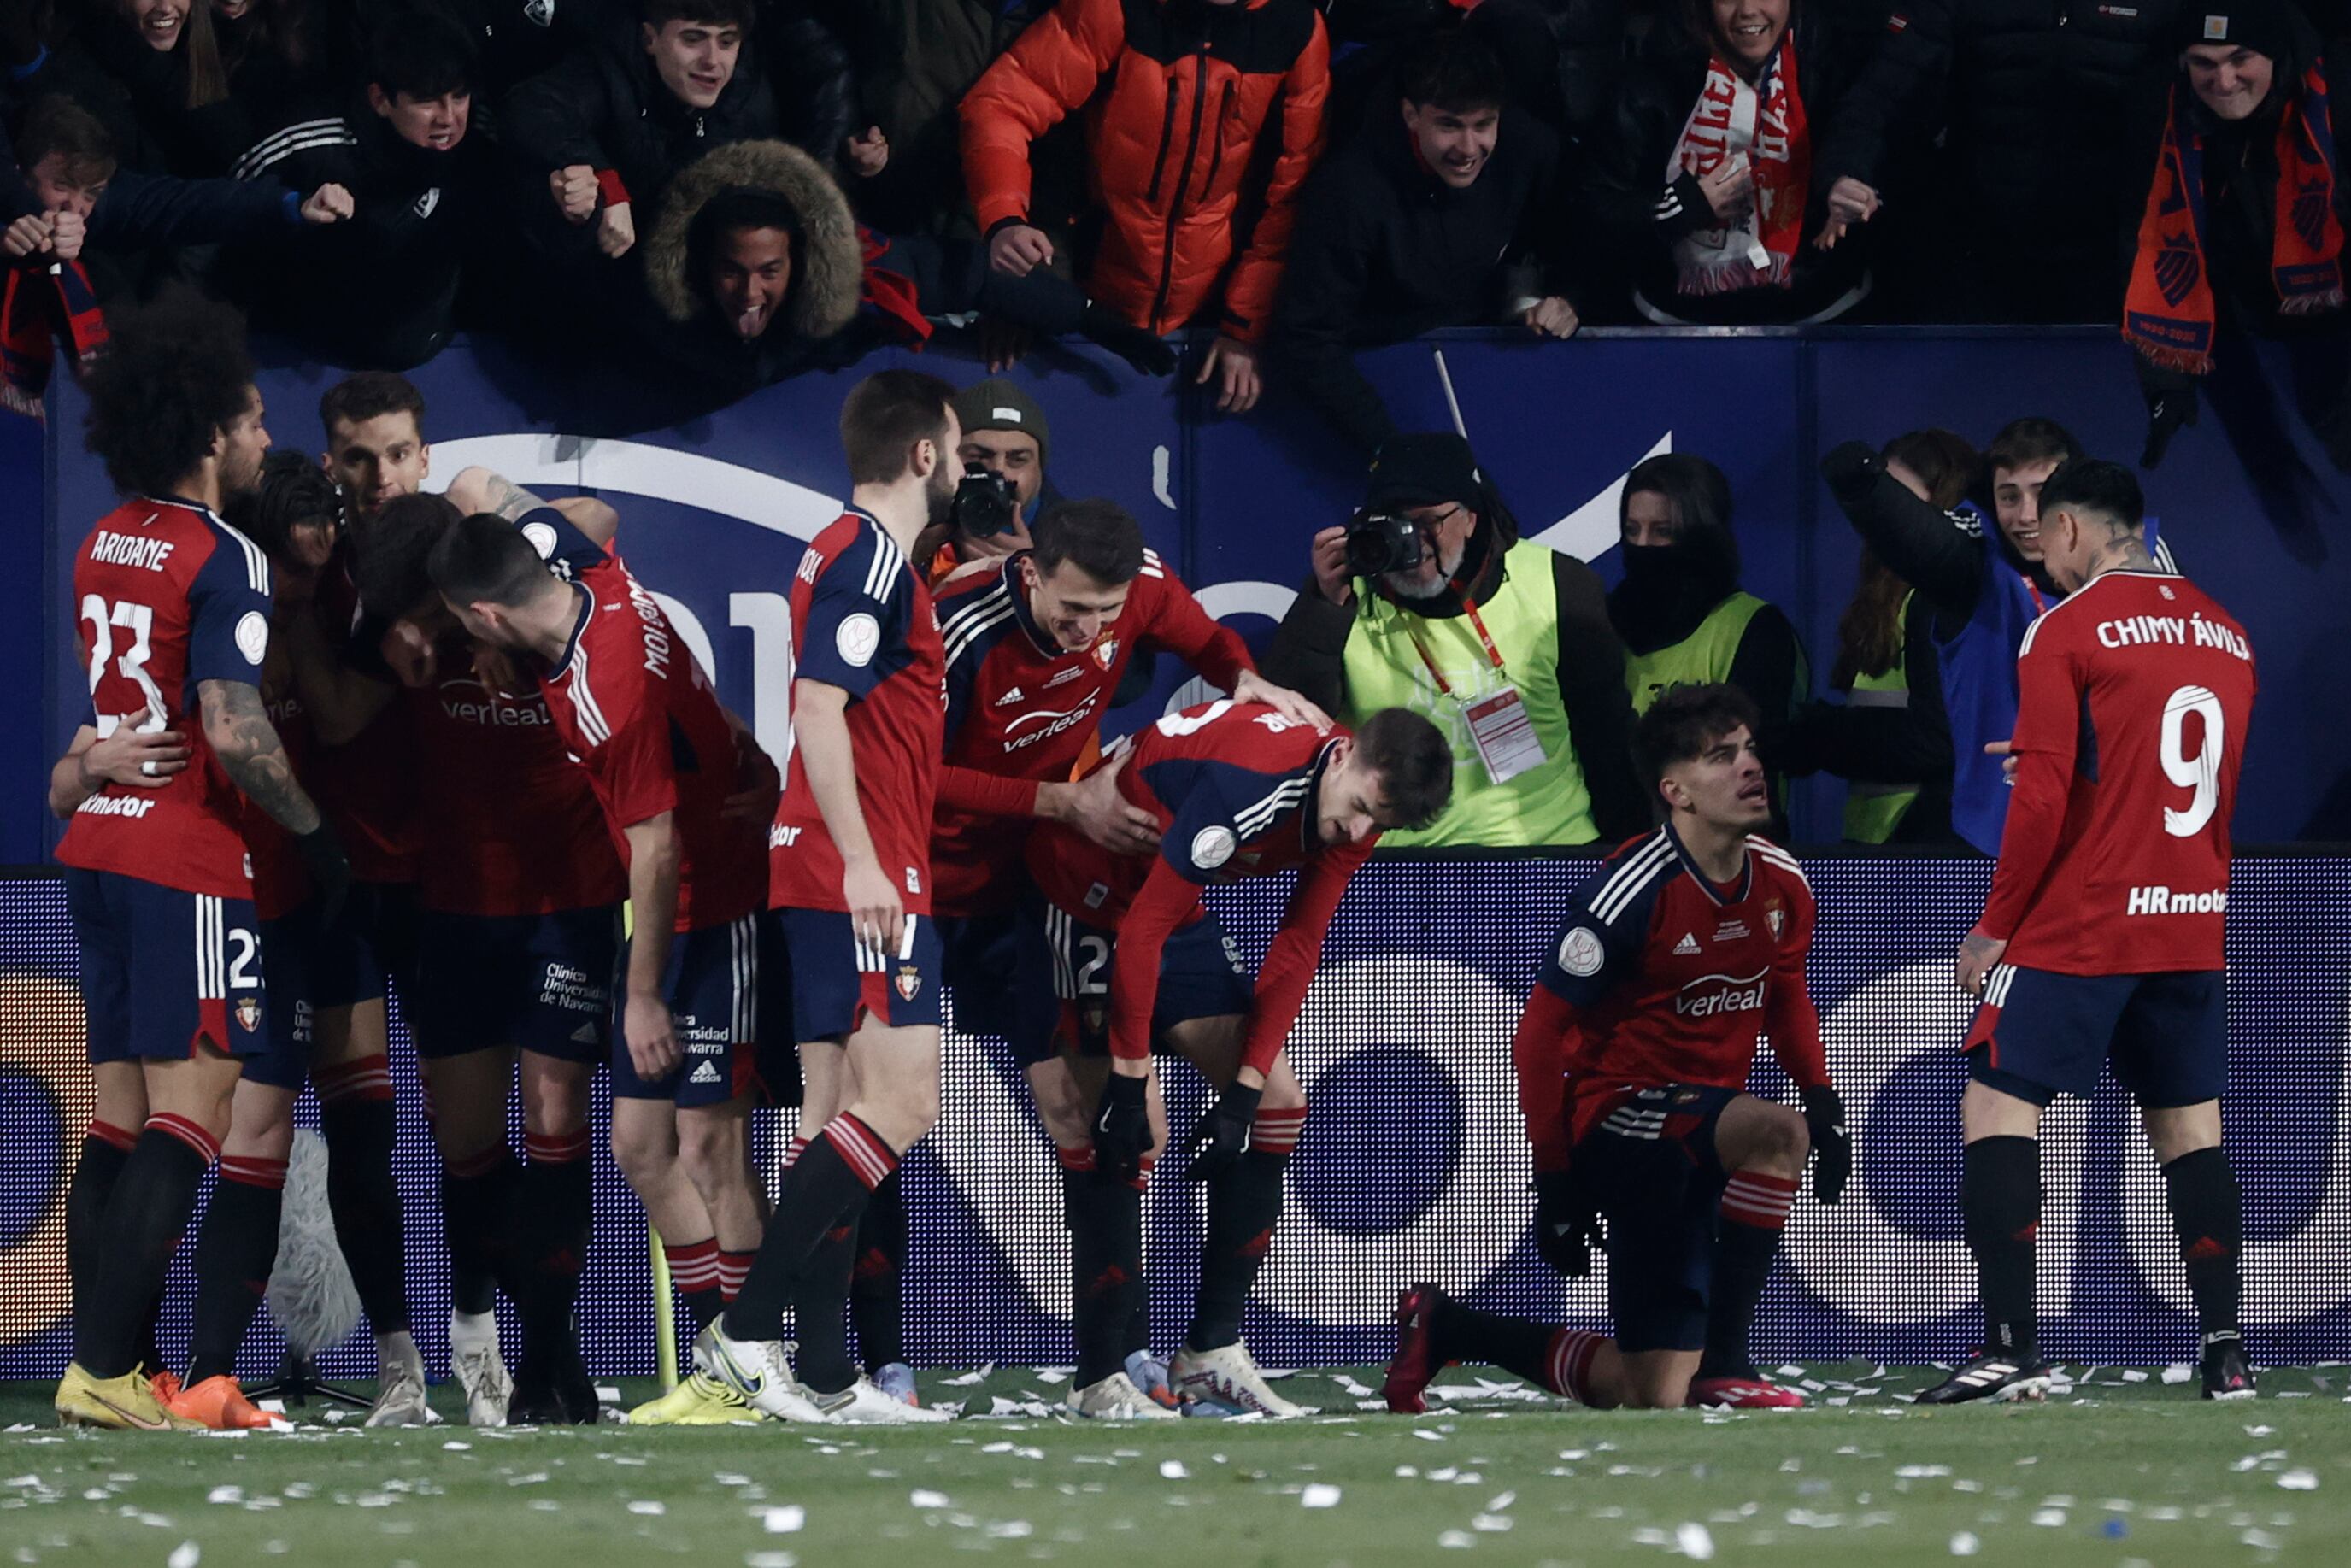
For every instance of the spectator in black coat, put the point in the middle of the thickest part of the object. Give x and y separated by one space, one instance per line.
382 292
1444 217
1716 178
2247 117
152 70
88 210
2030 102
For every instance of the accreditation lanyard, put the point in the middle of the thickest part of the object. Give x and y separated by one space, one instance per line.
1499 723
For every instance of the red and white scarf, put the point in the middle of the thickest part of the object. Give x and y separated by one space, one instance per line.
1764 122
40 306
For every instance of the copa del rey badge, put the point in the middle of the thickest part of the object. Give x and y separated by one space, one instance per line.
909 982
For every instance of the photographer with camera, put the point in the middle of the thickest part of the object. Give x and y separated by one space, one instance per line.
1427 598
1005 442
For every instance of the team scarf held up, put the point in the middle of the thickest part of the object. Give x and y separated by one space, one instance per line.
1763 122
2168 314
37 306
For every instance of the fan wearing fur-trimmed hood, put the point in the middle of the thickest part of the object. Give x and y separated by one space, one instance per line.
753 263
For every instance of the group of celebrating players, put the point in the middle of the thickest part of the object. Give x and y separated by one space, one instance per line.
348 732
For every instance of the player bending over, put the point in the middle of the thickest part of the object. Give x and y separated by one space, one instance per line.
1118 958
2101 939
630 703
1632 1056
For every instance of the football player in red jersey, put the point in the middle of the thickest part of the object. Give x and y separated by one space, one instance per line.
637 710
849 879
1633 1057
1118 958
2102 937
518 937
173 612
1037 646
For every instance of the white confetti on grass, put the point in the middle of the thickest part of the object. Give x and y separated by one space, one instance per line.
784 1520
2299 1481
186 1555
1319 1495
649 1506
1172 1469
1965 1544
225 1495
770 1560
453 1447
1696 1541
920 1497
2179 1372
1455 1540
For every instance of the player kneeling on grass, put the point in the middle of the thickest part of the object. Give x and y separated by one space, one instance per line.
1118 957
2101 937
1632 1056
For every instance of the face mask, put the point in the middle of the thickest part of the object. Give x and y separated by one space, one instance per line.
1654 563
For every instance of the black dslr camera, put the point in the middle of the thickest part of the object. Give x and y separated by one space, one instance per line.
1382 541
985 505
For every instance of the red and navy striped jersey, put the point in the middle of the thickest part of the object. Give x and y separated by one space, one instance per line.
167 596
1235 787
1661 977
2134 695
639 712
509 824
1022 712
864 621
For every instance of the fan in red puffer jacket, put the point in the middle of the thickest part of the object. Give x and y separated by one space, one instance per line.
1180 93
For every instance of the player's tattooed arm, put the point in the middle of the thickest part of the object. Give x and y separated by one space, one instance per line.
247 744
479 489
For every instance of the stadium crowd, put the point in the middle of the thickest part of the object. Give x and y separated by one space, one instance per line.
737 191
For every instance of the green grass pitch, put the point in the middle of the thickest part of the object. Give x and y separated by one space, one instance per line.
2116 1473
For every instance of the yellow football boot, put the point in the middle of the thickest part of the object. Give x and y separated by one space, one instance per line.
124 1403
696 1401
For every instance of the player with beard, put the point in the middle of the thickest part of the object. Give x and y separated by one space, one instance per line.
173 610
850 884
518 938
1682 951
1985 586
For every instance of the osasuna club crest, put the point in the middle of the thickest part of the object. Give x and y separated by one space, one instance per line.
909 981
1106 650
1775 917
249 1013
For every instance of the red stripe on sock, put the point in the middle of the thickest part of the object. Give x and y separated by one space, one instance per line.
368 1077
734 1268
189 1132
1276 1132
556 1148
1572 1351
793 1150
479 1164
1759 1200
107 1133
695 1265
867 1154
1142 1182
1081 1158
250 1172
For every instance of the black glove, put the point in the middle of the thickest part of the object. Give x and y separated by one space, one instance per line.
1122 1128
330 868
1223 1133
1567 1223
1852 470
1832 1145
2170 410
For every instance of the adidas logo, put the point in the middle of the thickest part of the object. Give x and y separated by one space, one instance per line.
1688 944
706 1073
1008 699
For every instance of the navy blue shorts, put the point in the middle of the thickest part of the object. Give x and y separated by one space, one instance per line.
543 982
712 985
980 964
312 970
1652 1164
1065 968
777 1053
164 972
2038 1035
838 981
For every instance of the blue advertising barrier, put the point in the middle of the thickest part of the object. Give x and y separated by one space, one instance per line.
1413 1165
713 507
